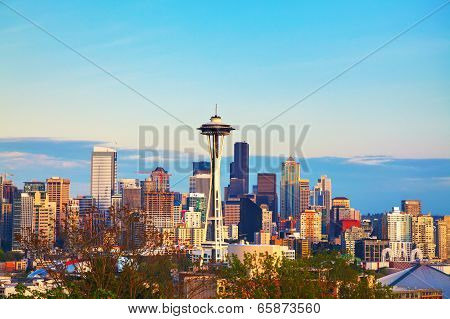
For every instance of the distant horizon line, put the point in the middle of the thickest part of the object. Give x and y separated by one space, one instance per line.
97 142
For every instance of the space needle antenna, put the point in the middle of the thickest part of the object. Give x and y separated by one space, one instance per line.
216 109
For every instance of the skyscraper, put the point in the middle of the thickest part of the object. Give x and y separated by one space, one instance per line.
412 206
215 131
290 189
200 183
161 179
103 176
423 235
6 225
22 219
399 225
157 200
399 234
9 191
250 221
441 239
44 217
131 197
58 190
267 191
240 166
235 189
304 194
324 184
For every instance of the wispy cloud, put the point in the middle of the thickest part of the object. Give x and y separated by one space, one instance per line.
433 180
159 156
11 154
14 160
369 160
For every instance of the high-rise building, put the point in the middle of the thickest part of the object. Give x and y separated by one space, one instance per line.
103 176
2 178
399 226
200 183
266 219
350 236
22 220
161 179
231 212
311 225
87 205
131 197
304 194
157 201
116 202
267 191
6 225
127 183
442 231
250 220
423 235
44 218
240 166
324 184
10 192
58 190
290 189
236 188
158 210
177 211
412 206
197 201
447 221
214 246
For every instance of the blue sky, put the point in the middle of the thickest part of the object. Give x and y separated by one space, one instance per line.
254 59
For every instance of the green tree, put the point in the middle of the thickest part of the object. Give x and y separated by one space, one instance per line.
325 275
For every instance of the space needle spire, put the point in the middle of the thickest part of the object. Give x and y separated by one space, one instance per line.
215 131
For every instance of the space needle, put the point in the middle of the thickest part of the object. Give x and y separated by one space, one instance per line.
214 245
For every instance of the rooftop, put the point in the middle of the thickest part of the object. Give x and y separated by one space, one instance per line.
419 276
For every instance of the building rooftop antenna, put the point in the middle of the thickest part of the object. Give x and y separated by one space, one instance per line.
216 109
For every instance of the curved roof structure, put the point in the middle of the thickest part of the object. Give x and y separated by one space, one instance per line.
418 277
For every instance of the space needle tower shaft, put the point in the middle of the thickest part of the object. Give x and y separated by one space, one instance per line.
215 131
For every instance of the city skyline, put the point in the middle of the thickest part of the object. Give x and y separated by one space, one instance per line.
224 150
360 179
